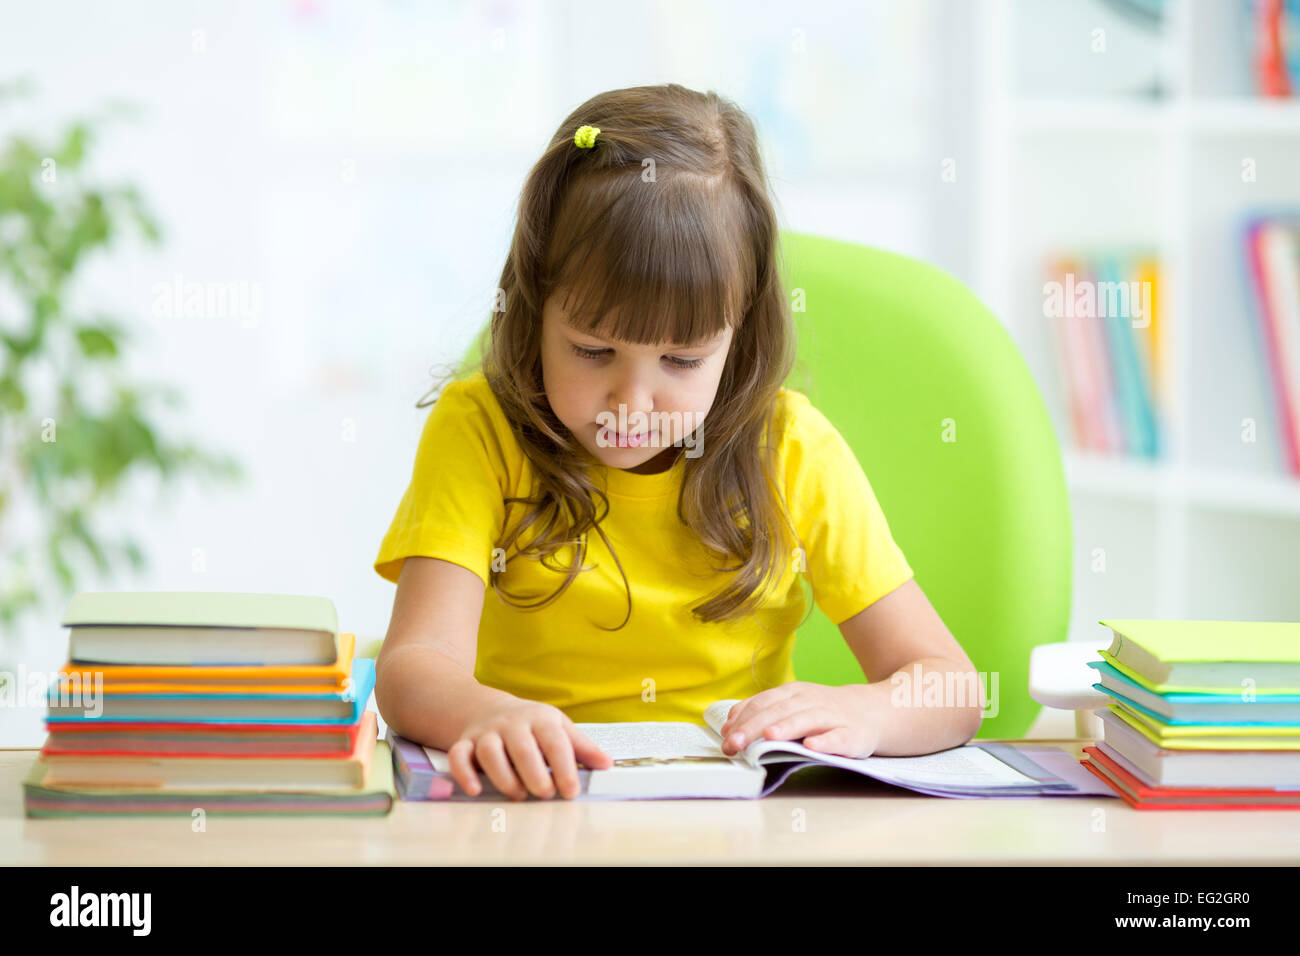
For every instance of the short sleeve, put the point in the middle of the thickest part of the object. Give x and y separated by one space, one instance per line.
454 507
852 559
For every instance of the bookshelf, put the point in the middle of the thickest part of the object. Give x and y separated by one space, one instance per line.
1068 161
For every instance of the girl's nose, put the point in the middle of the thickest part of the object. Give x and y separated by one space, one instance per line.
634 396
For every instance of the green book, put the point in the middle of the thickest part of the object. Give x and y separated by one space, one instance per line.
1193 656
373 798
201 627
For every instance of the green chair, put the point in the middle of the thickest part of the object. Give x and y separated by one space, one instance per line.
935 400
937 404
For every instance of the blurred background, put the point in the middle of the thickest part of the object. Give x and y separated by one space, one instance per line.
236 239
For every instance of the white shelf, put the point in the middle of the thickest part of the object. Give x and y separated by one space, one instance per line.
1244 115
1231 116
1208 489
1180 536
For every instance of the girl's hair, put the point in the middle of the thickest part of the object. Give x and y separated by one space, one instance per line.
668 213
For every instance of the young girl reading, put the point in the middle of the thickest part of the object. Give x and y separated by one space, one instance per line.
609 520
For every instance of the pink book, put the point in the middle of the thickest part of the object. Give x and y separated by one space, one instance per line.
1266 244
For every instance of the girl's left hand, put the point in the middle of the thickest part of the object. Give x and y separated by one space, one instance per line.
832 720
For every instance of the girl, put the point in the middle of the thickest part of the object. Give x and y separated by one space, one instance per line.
608 519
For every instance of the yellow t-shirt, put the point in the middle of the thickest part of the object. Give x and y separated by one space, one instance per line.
662 664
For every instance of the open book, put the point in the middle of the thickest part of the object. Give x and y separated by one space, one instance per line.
662 759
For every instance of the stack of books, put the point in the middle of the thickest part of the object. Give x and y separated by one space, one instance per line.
1105 327
1205 715
176 702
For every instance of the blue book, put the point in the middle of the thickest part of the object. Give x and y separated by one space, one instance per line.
1278 710
342 707
1133 391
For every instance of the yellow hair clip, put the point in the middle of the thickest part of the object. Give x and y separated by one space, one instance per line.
585 137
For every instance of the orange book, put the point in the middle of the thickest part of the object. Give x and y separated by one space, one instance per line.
223 679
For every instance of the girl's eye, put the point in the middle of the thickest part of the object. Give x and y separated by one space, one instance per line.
597 353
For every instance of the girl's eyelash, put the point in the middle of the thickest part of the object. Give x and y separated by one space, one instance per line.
597 353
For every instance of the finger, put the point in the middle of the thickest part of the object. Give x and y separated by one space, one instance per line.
751 727
830 741
749 707
586 750
462 769
797 726
491 753
528 761
736 711
558 751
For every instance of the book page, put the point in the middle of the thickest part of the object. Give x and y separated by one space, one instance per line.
635 740
966 766
651 738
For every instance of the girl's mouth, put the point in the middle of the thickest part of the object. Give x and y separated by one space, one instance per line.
611 437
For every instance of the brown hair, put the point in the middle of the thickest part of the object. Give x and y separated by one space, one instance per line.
670 210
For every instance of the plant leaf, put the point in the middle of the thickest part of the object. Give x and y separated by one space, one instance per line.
97 342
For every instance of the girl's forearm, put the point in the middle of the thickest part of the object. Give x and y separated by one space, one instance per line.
427 697
927 705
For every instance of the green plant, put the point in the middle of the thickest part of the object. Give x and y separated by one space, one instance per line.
65 458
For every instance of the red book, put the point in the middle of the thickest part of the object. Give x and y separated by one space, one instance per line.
93 739
1140 796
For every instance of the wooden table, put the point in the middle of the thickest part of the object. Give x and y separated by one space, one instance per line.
818 816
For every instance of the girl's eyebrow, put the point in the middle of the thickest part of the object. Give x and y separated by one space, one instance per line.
713 341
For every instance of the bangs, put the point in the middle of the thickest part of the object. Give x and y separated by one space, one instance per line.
658 264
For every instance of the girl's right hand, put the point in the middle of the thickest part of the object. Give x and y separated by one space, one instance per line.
510 741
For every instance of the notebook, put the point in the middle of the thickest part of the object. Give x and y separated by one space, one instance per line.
201 627
670 759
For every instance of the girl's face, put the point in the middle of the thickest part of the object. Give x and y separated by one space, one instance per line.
627 404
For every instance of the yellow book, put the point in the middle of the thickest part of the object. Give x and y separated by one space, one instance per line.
1257 739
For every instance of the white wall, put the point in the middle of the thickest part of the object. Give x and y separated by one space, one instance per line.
360 163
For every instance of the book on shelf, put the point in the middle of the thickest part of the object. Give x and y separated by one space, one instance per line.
673 759
201 627
1272 252
1275 46
1105 329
